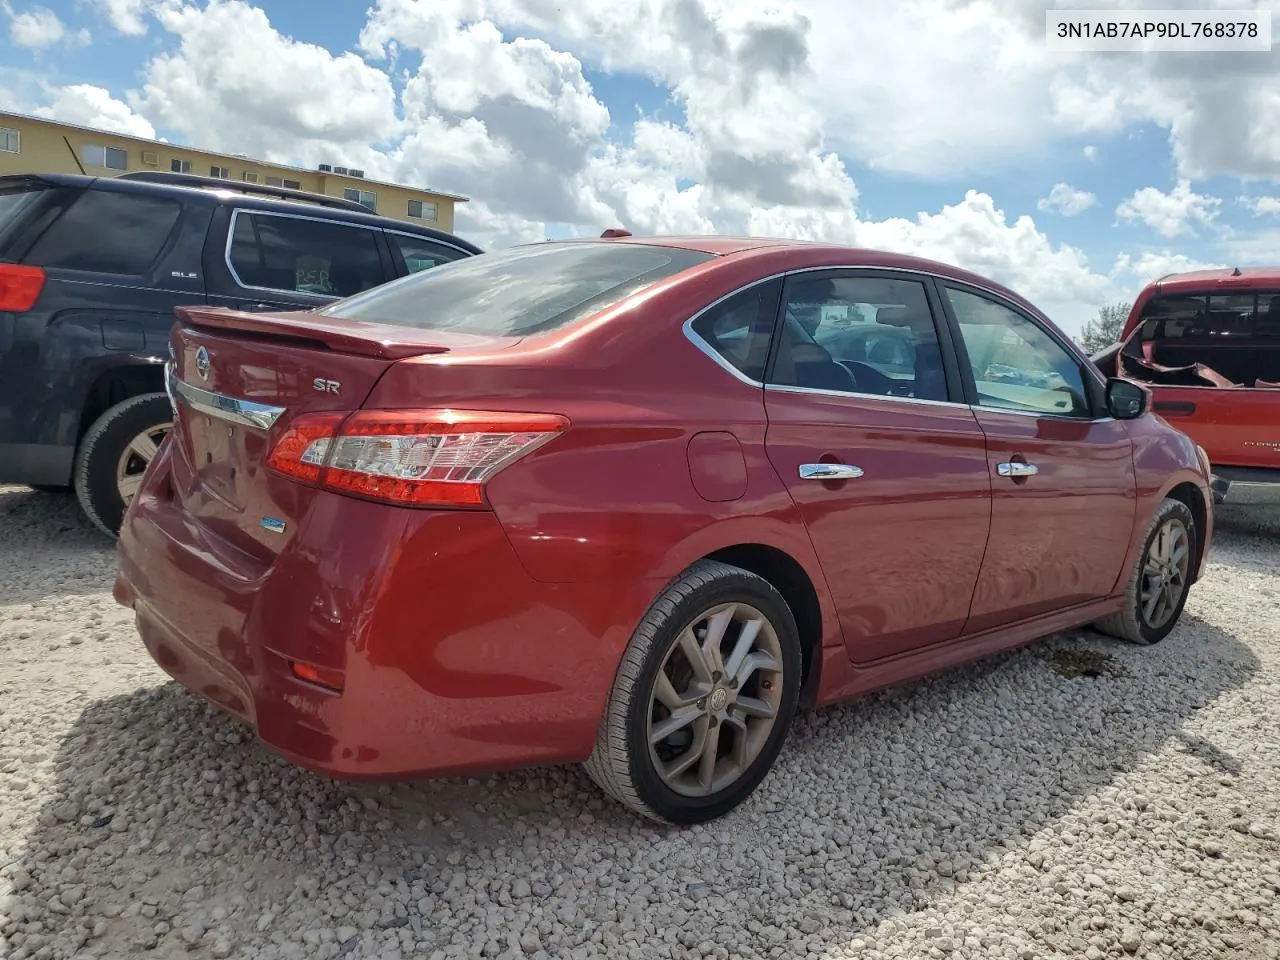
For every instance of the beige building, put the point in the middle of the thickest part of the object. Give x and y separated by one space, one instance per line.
36 145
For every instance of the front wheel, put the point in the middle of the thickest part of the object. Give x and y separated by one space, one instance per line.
1161 579
703 697
114 455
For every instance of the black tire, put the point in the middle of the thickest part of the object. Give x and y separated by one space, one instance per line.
99 457
622 763
1131 623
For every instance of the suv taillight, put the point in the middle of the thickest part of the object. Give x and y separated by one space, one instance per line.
20 287
427 458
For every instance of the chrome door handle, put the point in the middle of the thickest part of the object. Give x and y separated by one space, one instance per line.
829 471
1017 469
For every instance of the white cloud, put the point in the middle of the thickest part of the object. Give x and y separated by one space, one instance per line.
1147 266
40 28
1066 200
1170 214
1262 206
126 16
1090 152
91 106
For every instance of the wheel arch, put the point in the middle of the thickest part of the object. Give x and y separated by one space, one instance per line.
789 577
115 385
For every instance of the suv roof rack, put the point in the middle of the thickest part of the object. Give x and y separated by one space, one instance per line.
216 183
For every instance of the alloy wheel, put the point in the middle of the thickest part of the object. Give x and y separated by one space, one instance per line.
715 700
137 456
1164 573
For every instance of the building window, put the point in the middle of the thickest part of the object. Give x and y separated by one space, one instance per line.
221 173
287 184
180 166
274 182
250 177
10 140
96 155
292 185
366 198
423 210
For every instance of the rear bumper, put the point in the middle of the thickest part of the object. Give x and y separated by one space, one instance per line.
453 658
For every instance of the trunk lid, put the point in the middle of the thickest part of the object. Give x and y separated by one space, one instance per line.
238 380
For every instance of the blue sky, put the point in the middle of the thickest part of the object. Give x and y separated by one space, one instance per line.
515 118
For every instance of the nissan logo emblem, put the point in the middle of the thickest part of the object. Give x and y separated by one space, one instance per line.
202 363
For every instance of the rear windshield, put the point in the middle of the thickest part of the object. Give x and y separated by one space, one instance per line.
1213 317
520 291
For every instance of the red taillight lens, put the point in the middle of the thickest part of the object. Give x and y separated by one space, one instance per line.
19 287
301 451
411 457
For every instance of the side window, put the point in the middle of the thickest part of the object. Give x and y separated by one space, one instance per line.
107 232
304 256
1016 365
421 254
867 335
740 327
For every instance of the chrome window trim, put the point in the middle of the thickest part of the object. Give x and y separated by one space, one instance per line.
854 395
232 409
231 233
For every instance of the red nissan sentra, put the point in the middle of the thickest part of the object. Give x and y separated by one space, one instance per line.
633 502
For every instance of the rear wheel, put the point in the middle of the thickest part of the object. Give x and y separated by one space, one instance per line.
114 455
703 697
1161 579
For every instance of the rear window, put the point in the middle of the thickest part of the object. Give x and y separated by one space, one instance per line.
15 203
107 232
520 291
1213 318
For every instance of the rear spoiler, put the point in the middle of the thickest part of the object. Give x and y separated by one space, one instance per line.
326 333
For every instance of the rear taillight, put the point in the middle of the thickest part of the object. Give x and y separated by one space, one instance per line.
19 287
410 457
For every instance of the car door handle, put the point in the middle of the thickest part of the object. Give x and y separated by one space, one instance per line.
829 471
1017 469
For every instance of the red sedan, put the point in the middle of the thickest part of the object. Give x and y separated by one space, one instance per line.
633 502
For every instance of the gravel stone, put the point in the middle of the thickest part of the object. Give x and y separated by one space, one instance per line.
1016 809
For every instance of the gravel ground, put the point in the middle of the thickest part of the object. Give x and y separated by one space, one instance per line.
1079 798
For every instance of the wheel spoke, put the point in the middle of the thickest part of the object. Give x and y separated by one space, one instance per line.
759 660
144 447
716 627
754 707
746 640
693 754
677 721
1149 603
667 695
707 762
740 741
694 654
1152 568
128 486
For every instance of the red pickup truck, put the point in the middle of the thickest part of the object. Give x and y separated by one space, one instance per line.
1207 345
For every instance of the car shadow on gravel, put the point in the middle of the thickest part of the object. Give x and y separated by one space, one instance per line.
167 829
48 548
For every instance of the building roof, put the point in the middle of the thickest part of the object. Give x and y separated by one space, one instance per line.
458 198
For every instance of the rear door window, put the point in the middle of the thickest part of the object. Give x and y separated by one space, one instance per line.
419 253
520 291
299 255
1229 336
107 232
739 329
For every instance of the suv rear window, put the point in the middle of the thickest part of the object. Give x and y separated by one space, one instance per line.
107 232
15 201
520 291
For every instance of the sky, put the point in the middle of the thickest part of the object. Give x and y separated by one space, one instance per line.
941 128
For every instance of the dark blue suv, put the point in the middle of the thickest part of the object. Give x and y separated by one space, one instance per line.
91 270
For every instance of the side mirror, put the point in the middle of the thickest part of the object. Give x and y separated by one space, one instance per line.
1127 400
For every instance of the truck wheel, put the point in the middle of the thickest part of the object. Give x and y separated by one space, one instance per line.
114 455
703 697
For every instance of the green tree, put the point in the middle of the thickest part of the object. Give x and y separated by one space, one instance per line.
1104 329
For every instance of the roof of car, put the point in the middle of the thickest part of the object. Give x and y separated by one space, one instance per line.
1244 277
238 197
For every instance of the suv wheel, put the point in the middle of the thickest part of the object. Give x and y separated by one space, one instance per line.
114 455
